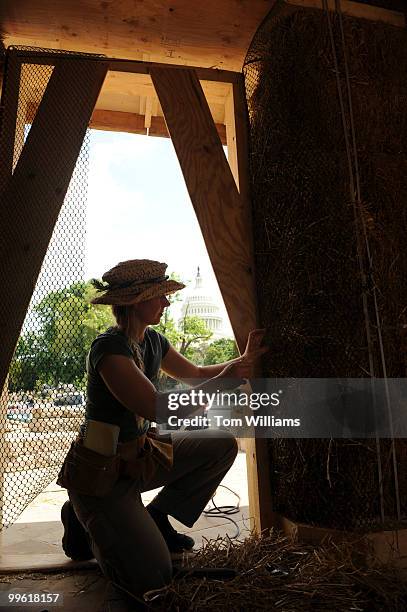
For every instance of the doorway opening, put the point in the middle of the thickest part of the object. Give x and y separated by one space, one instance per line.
116 206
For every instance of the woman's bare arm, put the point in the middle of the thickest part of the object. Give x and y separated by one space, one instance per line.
177 366
134 391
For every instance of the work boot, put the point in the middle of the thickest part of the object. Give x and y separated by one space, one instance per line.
176 542
75 541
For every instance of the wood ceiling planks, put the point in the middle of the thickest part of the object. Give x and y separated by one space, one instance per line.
125 97
214 33
126 92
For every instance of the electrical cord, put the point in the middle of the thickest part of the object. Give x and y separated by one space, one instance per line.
225 511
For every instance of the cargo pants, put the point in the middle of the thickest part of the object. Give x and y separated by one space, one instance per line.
124 539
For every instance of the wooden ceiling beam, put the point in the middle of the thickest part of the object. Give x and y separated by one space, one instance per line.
125 92
203 74
122 101
133 123
136 66
116 121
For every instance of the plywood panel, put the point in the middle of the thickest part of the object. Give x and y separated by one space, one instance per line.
210 33
222 214
32 198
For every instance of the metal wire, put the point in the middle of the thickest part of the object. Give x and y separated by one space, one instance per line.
357 203
42 405
358 240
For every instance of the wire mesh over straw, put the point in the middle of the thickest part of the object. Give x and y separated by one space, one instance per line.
309 284
275 573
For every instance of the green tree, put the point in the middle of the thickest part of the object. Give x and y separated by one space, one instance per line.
189 337
193 331
220 351
24 370
56 352
197 353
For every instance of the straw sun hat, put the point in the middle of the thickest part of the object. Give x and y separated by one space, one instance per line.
134 281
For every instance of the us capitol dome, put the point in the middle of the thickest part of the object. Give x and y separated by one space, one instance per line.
200 303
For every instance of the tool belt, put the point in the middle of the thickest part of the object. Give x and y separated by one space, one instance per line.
87 472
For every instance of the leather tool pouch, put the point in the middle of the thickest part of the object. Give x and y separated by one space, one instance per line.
162 449
88 472
142 463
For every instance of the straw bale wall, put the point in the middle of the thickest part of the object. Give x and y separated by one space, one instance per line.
308 278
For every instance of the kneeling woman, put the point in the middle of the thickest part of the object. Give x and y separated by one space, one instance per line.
117 456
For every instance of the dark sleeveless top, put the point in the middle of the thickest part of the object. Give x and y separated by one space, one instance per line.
101 405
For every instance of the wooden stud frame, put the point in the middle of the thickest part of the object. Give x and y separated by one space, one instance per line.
225 209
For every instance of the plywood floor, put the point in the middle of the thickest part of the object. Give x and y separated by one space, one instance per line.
32 546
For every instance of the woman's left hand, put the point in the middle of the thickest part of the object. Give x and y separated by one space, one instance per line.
254 346
254 349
